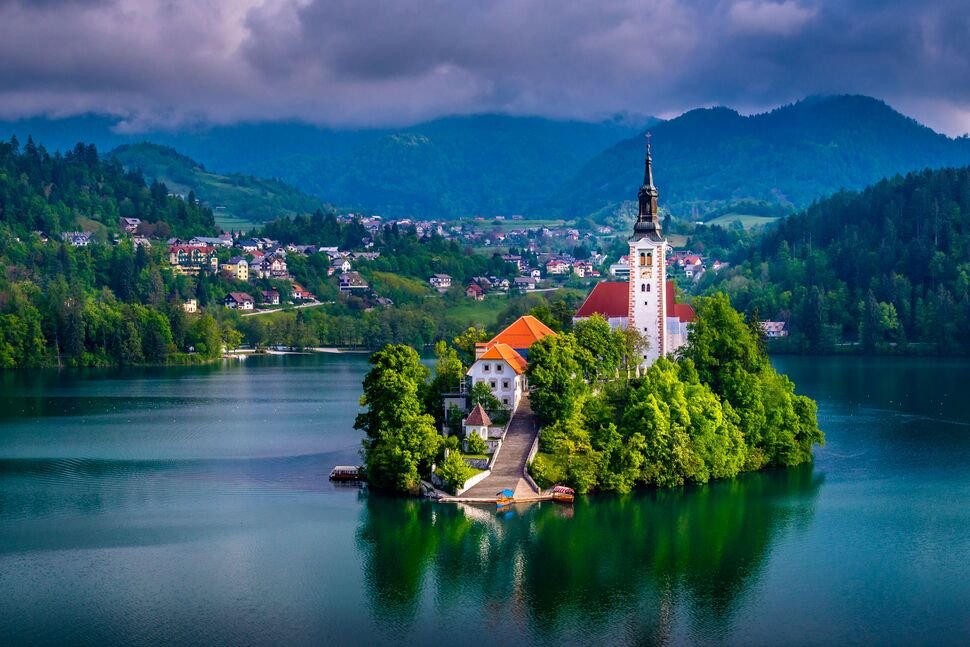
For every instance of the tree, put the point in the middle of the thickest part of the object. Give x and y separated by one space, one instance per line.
465 342
231 337
556 377
401 439
602 347
475 444
455 471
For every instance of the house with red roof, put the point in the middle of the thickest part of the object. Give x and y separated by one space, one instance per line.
611 299
477 423
501 362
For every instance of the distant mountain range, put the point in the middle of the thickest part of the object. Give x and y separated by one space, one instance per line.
238 201
706 160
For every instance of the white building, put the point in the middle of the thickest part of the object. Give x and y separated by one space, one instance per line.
477 423
646 300
648 270
501 362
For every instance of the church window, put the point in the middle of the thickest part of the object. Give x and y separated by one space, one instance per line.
643 259
649 259
648 286
643 287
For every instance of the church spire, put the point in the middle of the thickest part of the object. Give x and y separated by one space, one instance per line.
648 220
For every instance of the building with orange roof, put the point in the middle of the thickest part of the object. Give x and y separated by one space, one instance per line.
501 362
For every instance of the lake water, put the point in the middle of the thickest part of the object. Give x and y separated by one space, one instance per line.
191 505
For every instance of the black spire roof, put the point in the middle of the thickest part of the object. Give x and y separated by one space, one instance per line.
648 219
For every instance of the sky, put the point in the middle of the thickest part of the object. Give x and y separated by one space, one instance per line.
173 63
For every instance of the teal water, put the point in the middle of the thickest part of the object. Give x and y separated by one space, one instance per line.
191 505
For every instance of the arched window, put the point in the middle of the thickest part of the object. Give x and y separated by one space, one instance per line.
643 287
648 286
649 259
643 259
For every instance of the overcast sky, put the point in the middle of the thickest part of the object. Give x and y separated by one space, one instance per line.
364 62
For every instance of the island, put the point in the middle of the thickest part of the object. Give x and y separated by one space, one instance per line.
640 391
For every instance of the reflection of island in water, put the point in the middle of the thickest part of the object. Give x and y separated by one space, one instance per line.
611 568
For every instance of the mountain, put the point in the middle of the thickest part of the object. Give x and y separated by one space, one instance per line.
708 159
887 267
237 200
480 164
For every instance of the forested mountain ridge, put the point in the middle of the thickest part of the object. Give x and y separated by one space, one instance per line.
485 164
710 158
244 198
887 268
79 190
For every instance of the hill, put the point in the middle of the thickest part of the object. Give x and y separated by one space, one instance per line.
707 159
887 268
237 200
480 164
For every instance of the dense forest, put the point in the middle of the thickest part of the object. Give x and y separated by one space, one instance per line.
241 197
881 270
715 160
99 303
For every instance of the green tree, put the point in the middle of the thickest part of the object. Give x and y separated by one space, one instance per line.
401 439
556 377
455 471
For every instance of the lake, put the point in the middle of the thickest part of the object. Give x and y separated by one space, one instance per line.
191 505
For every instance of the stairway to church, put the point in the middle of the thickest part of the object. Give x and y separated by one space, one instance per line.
509 468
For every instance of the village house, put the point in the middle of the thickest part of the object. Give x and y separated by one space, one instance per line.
141 241
474 291
224 240
440 282
352 282
621 268
774 329
300 294
583 269
501 361
525 283
192 259
237 267
339 266
129 225
191 306
77 238
557 266
239 301
270 297
248 245
515 259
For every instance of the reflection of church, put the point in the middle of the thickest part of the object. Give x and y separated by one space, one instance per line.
646 301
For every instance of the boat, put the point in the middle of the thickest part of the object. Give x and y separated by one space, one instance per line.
562 494
346 473
505 497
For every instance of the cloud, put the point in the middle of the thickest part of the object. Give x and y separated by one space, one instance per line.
375 62
769 17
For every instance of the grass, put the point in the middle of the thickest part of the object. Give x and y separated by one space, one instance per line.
483 313
747 221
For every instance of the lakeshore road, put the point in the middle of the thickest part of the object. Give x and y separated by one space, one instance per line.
509 469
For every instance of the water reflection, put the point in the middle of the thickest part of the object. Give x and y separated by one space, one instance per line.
622 568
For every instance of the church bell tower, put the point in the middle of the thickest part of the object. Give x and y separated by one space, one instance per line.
648 270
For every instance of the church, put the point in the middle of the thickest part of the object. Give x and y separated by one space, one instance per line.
646 301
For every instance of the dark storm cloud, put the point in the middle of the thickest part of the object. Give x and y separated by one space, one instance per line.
368 61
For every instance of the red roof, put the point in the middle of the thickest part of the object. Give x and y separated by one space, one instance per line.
522 333
684 312
608 298
612 299
507 354
206 249
478 417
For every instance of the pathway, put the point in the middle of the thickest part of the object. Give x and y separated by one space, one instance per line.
509 468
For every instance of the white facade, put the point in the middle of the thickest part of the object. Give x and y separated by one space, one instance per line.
501 378
648 304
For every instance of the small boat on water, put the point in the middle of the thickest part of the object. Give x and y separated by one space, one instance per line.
505 497
562 494
346 473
